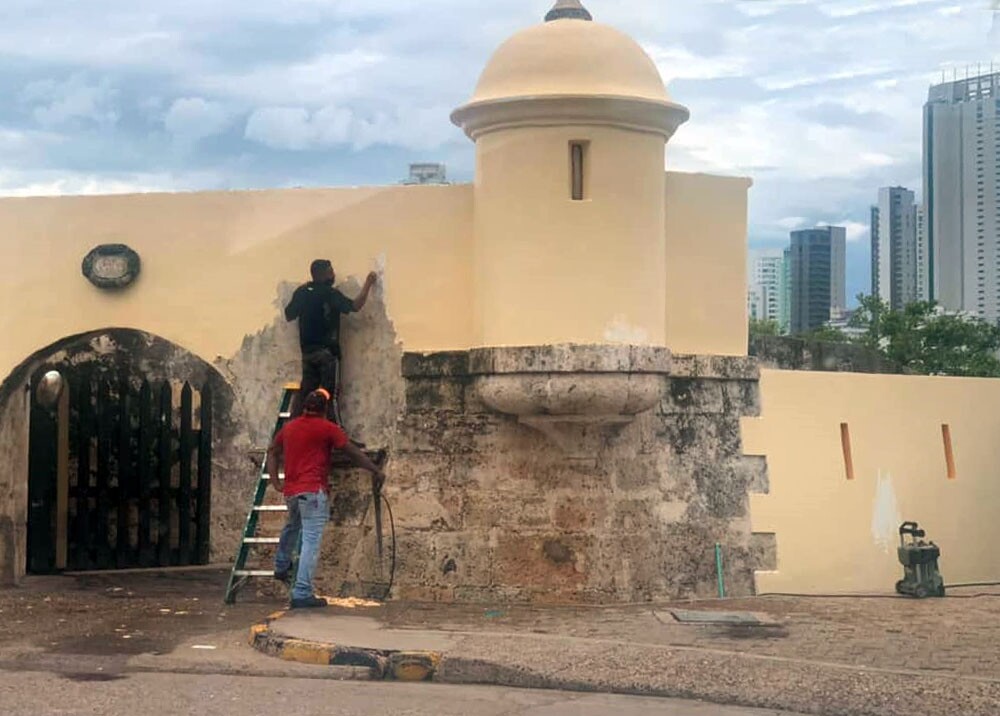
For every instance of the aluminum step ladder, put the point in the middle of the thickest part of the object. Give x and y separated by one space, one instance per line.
240 575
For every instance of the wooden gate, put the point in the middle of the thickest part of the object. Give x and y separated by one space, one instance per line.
120 476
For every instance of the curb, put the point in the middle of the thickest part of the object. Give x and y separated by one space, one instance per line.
382 663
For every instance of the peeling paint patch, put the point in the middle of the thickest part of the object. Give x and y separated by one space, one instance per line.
621 331
885 514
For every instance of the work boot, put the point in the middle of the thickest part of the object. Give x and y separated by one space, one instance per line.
308 603
284 576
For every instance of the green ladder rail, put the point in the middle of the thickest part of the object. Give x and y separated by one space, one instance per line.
240 575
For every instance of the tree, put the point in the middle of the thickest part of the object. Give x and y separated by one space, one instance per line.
924 339
764 328
826 334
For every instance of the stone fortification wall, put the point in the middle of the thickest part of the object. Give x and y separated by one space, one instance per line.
788 353
558 506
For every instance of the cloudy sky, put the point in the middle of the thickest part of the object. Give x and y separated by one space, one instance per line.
818 100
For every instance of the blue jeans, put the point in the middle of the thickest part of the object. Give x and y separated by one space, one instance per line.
307 516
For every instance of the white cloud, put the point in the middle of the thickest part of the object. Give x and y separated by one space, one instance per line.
679 63
59 183
791 223
296 128
855 229
193 118
56 104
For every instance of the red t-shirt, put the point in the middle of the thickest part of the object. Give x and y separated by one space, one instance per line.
307 442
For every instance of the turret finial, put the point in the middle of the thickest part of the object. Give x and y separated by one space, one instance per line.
568 10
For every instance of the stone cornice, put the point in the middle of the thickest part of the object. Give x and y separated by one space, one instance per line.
642 115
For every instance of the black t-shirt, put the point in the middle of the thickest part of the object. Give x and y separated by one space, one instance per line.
318 307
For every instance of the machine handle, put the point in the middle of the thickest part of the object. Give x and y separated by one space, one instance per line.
911 528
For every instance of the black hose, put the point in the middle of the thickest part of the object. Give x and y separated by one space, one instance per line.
890 596
392 554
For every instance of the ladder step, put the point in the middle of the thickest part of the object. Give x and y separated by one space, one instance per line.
239 575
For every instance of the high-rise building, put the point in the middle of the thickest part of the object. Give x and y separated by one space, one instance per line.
923 258
962 194
894 247
785 321
766 271
818 285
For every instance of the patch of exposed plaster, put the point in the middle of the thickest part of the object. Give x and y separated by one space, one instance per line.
621 331
885 514
372 393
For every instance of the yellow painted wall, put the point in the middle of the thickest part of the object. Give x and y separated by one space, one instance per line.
824 523
543 269
706 282
553 270
212 262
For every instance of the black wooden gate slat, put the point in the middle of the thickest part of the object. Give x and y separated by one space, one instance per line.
145 458
81 553
204 476
123 551
163 463
184 489
102 551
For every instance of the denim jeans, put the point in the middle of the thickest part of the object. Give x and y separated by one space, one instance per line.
319 370
307 516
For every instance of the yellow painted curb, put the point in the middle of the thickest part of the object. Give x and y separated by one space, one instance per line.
400 665
414 665
307 652
255 631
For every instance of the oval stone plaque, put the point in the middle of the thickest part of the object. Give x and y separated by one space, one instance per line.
111 266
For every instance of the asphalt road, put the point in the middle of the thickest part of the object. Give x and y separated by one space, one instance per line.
161 694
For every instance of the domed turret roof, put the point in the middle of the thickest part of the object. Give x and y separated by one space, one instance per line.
570 55
570 70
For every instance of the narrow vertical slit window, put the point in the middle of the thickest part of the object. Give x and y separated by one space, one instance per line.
949 452
845 442
578 175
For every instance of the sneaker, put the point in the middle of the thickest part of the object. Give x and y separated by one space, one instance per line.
308 603
284 575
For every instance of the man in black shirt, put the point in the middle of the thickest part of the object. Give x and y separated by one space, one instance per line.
318 305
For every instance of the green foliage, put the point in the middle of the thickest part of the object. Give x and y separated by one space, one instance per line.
923 339
764 328
826 334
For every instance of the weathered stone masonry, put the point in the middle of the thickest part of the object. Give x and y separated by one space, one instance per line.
489 508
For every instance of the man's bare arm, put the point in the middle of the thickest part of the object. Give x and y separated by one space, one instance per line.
361 460
362 298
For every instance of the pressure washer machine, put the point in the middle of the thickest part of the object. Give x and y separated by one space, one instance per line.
921 577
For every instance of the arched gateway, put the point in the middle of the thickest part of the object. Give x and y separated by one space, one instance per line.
119 462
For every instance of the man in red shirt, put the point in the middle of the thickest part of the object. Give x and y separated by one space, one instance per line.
307 444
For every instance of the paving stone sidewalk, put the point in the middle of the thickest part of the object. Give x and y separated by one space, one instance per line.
830 656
